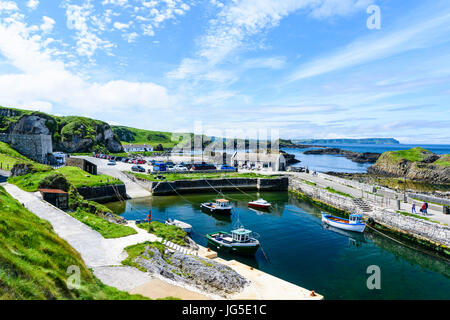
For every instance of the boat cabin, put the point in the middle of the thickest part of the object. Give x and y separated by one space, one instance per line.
241 235
222 203
355 218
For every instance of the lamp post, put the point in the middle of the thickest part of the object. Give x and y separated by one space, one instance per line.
404 182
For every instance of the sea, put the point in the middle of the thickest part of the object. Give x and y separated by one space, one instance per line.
336 163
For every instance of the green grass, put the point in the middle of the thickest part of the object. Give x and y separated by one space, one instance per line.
136 250
199 176
9 157
169 233
140 136
107 229
329 189
309 182
416 216
413 155
34 260
444 161
79 178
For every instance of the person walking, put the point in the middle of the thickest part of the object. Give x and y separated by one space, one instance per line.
424 208
413 208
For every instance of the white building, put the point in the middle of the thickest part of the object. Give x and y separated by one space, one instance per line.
137 148
264 161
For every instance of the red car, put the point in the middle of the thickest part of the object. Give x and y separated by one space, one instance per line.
141 162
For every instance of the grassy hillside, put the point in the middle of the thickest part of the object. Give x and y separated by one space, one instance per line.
34 260
62 129
9 157
79 178
415 155
129 135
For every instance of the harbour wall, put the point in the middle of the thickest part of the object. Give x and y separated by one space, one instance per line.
212 185
104 193
436 236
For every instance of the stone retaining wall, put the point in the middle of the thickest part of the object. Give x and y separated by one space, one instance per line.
421 229
104 193
210 185
37 147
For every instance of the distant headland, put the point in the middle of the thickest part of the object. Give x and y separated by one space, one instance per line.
348 141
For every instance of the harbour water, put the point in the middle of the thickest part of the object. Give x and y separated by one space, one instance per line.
302 251
325 163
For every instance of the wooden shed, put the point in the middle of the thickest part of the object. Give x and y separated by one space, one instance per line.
56 197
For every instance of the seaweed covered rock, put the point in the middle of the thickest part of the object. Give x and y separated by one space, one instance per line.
204 274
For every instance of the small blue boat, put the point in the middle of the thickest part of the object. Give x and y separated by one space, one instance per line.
354 223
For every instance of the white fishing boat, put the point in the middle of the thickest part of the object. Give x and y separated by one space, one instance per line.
220 206
354 223
183 225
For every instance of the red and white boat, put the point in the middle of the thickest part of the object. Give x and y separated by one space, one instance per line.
259 204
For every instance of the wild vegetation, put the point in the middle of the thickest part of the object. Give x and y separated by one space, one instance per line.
79 178
90 133
169 233
34 260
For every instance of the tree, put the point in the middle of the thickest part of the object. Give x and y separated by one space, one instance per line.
159 147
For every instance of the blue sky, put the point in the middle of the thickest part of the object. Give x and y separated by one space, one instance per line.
301 68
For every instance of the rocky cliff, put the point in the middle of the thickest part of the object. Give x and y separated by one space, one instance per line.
69 134
416 164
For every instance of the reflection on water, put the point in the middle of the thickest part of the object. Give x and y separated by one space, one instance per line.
302 251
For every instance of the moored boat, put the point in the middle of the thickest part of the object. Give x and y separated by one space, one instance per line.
354 223
180 224
220 206
239 241
259 204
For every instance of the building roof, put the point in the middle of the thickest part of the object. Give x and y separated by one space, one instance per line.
52 191
263 157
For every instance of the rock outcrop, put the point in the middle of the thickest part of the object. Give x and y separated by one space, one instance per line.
366 157
428 168
204 274
69 134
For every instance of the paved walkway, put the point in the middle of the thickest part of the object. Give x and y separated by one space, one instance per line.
134 190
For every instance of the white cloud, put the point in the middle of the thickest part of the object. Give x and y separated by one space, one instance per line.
87 39
33 4
121 26
240 20
8 6
415 36
43 81
47 24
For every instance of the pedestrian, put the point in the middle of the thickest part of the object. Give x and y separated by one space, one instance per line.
413 208
423 209
426 207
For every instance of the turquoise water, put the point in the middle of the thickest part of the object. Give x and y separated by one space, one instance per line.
300 250
325 163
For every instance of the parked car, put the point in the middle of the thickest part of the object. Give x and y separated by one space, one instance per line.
137 169
180 167
111 163
140 161
225 167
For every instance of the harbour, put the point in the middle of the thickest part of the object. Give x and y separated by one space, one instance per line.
299 249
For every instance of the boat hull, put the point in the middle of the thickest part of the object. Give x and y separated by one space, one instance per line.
258 206
358 227
226 211
244 249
